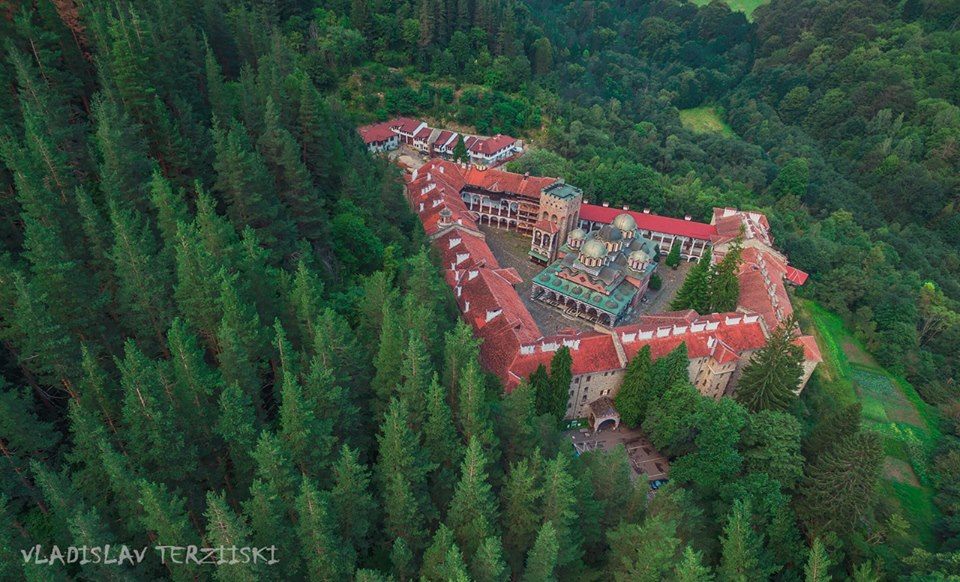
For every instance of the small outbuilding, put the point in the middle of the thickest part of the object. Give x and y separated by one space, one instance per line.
602 412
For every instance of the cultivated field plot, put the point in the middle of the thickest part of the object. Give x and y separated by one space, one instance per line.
891 407
705 120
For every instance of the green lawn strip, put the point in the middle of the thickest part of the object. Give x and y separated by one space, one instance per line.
745 6
705 119
916 506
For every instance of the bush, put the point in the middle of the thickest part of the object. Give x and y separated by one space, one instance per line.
655 282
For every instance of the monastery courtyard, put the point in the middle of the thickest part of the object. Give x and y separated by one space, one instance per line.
511 248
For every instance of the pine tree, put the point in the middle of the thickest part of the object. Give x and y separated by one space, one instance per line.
818 564
306 303
96 232
97 393
195 383
351 504
473 510
543 556
519 519
322 551
292 180
460 151
45 348
270 518
197 291
389 357
559 508
695 292
22 436
143 282
240 339
401 475
740 555
433 567
332 402
561 375
630 401
225 528
155 434
673 257
444 451
244 184
308 439
237 426
540 382
670 369
771 445
402 560
840 486
459 347
474 411
415 373
724 284
124 165
832 429
89 529
487 564
320 148
643 553
691 568
771 379
669 422
165 518
516 424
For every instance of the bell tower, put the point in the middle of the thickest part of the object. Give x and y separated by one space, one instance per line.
558 215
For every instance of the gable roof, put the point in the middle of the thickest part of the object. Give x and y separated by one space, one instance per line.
649 222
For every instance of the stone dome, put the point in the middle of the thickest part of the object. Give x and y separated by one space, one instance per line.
638 257
609 234
624 222
577 234
593 249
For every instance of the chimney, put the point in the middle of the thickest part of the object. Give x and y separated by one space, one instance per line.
526 174
492 313
625 207
466 306
686 217
606 204
646 211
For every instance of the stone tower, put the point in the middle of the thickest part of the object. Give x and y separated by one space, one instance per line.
559 214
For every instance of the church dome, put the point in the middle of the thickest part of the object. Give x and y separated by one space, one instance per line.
577 234
609 234
624 222
638 257
593 249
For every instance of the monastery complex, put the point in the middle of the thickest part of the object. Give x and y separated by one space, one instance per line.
598 261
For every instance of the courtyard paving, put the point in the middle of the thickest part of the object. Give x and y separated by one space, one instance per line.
644 459
511 248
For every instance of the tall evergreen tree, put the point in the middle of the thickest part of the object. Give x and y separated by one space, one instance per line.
559 507
740 557
832 429
227 529
240 339
143 281
516 424
351 504
543 556
724 284
124 165
630 400
561 374
840 485
691 568
487 564
165 517
322 551
643 552
445 452
415 373
695 292
473 509
474 410
771 379
818 564
519 519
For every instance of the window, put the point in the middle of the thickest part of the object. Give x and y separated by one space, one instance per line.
588 378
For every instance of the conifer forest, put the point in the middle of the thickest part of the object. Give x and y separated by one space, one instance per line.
223 325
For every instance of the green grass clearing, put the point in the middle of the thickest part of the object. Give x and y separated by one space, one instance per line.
705 120
745 6
891 407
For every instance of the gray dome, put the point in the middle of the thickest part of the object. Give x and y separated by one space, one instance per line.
609 234
624 222
577 234
593 249
638 257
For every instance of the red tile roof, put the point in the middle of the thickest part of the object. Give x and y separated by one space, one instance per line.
500 181
796 276
729 222
590 352
650 222
811 351
490 145
704 336
376 132
546 226
405 124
